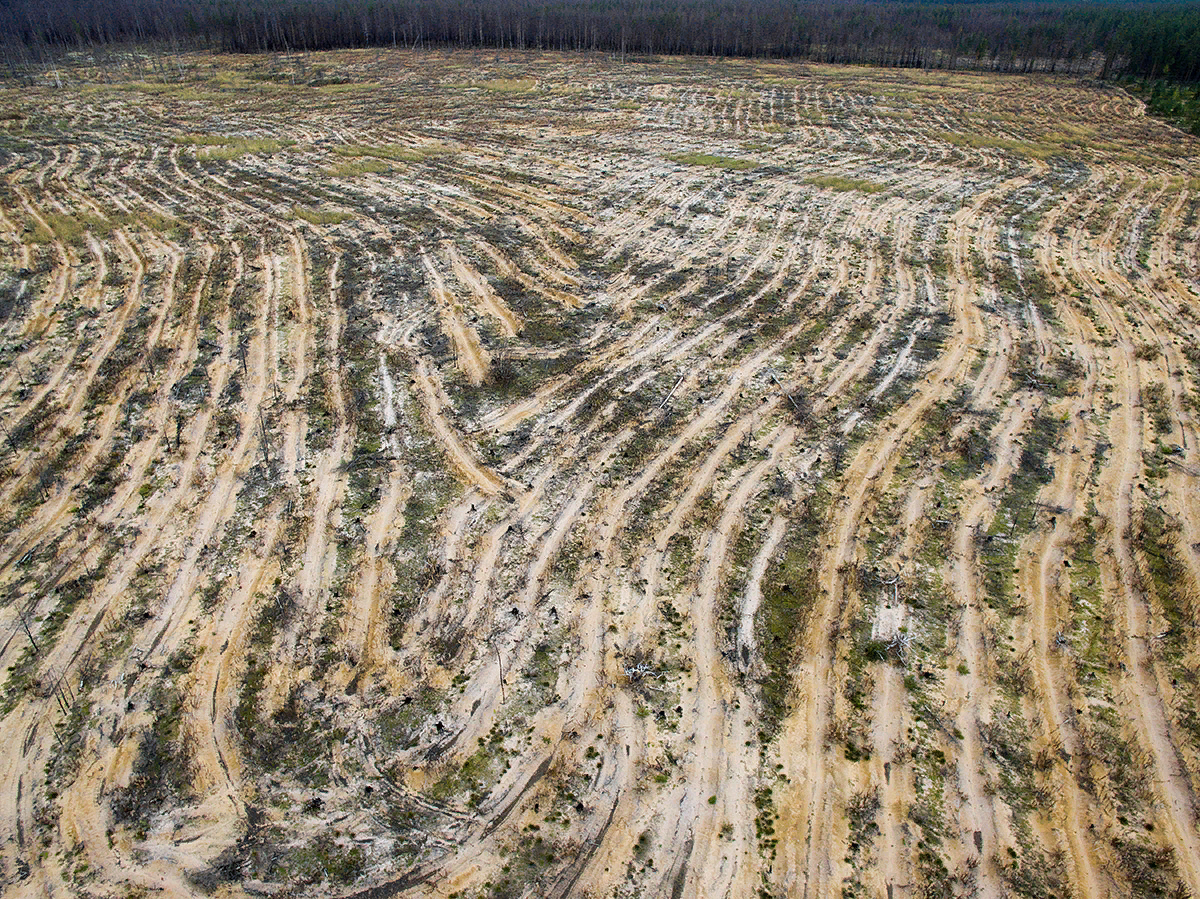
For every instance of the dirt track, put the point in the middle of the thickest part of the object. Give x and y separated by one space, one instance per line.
495 475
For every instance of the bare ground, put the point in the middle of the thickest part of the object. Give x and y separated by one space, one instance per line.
679 477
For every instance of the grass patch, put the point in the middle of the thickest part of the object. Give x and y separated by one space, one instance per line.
298 739
362 166
1158 405
719 162
323 859
391 152
790 590
23 672
1016 516
474 777
224 148
1163 574
66 228
320 216
162 770
526 866
401 726
270 618
1032 149
842 183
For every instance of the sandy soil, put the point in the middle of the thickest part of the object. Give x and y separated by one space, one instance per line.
423 504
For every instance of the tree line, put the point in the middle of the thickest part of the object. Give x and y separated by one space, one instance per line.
1178 103
1149 39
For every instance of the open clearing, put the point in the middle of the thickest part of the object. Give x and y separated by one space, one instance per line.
474 474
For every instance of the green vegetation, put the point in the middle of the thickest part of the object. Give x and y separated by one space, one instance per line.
790 590
1163 574
524 865
765 818
476 775
298 738
196 368
272 616
1154 398
400 726
390 152
707 159
1016 515
21 673
1040 150
325 859
162 769
321 216
352 168
223 148
416 565
1177 103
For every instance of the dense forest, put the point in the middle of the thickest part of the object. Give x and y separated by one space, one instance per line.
1144 38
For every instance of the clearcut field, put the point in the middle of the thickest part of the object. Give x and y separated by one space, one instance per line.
487 474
